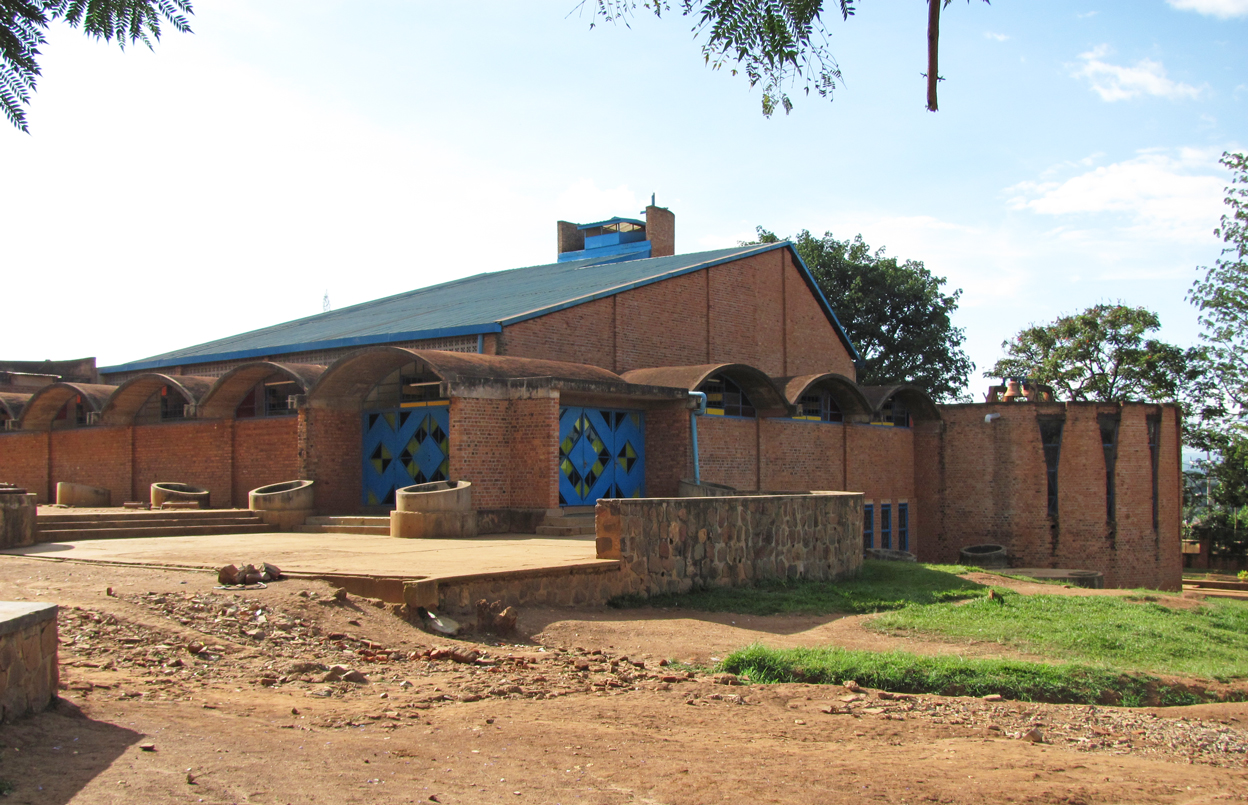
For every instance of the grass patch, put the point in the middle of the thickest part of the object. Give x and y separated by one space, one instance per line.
1134 635
879 587
953 676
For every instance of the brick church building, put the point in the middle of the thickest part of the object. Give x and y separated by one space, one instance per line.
559 384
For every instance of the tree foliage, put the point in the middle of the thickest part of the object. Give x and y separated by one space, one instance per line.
23 24
1222 299
896 313
1102 354
776 43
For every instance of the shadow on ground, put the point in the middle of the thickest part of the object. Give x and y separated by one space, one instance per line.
51 756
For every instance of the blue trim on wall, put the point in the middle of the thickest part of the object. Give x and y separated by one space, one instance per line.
284 349
633 250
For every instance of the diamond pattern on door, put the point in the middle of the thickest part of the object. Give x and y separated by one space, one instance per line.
404 447
601 454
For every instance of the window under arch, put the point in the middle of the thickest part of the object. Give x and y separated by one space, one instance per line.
73 414
818 405
411 386
269 397
724 397
165 405
895 413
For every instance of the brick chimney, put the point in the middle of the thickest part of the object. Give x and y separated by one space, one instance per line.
660 231
571 238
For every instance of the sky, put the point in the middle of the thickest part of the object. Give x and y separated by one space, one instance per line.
229 179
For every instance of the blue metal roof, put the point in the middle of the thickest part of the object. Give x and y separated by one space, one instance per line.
483 303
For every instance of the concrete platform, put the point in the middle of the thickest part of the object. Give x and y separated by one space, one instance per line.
325 555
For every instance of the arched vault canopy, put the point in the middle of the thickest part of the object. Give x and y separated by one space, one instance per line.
43 406
854 405
130 396
228 391
917 401
763 393
349 379
11 404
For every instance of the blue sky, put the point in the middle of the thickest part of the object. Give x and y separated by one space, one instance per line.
227 180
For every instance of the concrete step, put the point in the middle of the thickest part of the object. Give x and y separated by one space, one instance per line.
381 531
356 521
131 531
577 511
565 530
566 520
143 516
153 522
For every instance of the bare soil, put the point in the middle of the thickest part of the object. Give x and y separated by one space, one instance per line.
235 696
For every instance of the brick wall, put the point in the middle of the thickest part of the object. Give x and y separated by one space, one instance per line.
266 451
757 311
991 484
728 451
24 462
330 450
478 441
98 456
534 453
801 455
669 452
196 453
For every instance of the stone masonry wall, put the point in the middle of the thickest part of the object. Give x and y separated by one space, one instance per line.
17 520
28 663
678 544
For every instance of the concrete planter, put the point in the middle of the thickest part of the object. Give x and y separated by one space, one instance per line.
284 506
165 492
81 495
17 517
988 556
438 510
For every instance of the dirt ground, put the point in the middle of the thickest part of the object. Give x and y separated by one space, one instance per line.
237 697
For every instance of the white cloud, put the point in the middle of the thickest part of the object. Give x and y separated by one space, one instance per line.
1117 83
1222 9
1158 196
995 36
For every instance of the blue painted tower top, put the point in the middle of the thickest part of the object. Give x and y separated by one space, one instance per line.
618 239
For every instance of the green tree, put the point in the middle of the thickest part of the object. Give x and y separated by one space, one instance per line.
896 313
1222 299
1102 354
23 24
777 43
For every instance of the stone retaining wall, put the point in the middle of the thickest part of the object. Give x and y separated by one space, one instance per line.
648 546
678 544
28 661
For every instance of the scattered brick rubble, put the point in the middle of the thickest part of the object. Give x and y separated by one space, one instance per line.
237 637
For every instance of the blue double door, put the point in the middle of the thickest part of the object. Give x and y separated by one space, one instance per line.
404 446
602 454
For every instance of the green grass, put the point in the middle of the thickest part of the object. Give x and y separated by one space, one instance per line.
880 586
910 673
1134 635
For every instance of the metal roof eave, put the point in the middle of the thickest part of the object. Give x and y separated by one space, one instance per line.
286 349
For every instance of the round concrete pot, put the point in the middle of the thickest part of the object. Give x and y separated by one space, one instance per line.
285 506
165 492
81 495
986 556
285 496
438 510
889 555
438 496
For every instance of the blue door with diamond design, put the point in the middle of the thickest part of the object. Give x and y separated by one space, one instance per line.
601 455
404 446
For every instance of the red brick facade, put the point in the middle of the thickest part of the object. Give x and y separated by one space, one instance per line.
757 311
985 482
